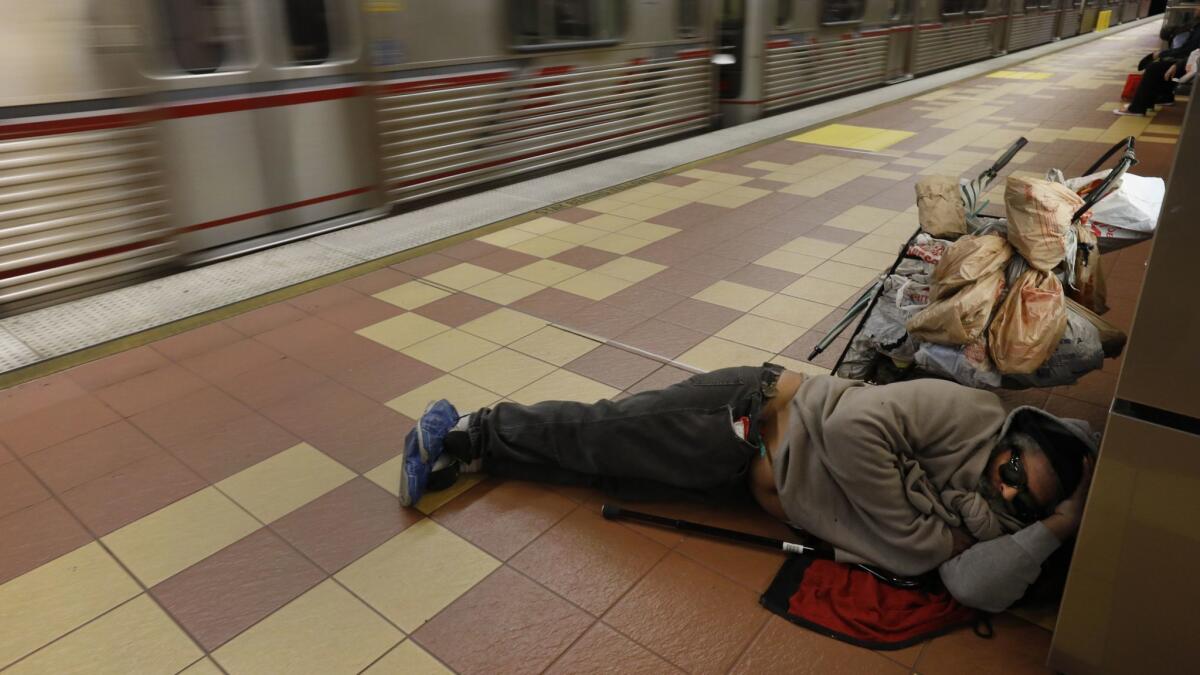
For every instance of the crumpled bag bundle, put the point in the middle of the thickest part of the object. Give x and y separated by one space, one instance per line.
968 260
1039 219
959 318
1029 323
940 206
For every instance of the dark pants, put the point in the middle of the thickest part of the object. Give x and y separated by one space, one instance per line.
672 442
1153 88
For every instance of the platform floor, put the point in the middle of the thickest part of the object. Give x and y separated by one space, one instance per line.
224 499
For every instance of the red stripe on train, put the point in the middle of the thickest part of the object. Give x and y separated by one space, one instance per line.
71 125
694 53
776 44
82 257
276 209
406 86
180 110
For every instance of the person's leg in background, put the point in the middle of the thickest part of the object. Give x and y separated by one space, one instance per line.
1151 89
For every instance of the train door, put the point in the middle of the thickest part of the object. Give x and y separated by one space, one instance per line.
900 20
954 32
1069 18
741 35
1032 23
1089 12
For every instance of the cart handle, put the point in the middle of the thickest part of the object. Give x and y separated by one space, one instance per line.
1127 160
1012 151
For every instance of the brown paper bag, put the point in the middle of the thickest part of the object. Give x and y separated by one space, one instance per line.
940 207
967 260
1029 324
1087 285
960 318
1039 213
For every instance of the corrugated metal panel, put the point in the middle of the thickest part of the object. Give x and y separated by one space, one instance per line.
947 46
437 140
1030 31
1070 23
78 209
799 73
1129 12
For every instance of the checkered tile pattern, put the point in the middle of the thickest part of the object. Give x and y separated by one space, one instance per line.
224 500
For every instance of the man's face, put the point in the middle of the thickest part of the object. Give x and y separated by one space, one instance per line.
1041 481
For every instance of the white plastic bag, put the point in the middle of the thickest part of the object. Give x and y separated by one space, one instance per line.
1132 205
967 365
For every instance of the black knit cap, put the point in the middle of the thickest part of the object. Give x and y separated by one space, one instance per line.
1064 450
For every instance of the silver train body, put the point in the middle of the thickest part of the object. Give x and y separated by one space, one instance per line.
141 135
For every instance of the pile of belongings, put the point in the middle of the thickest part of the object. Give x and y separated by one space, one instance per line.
1008 302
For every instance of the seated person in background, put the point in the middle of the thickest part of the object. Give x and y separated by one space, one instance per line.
1158 78
911 477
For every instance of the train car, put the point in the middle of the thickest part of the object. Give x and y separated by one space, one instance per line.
1032 23
955 32
1069 18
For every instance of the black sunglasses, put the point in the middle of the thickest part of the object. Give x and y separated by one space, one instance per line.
1012 473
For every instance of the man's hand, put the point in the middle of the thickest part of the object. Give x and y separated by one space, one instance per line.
962 540
1170 72
1064 522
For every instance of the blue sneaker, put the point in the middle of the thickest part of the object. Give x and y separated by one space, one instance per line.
439 418
414 471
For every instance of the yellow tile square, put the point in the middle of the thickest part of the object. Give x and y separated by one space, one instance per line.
48 601
462 276
326 630
543 246
542 225
504 289
503 325
796 263
818 248
554 345
563 385
716 352
506 238
283 483
407 659
546 272
608 222
504 371
732 295
882 244
137 637
640 211
793 311
649 231
387 476
412 295
851 275
802 367
416 573
449 350
618 243
630 269
853 137
177 536
402 331
576 234
464 396
761 332
866 258
593 285
819 290
863 218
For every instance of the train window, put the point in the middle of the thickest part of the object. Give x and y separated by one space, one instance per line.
202 35
689 18
783 13
307 31
1032 4
553 24
976 6
842 11
898 9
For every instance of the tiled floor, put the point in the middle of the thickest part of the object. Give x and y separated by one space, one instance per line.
225 499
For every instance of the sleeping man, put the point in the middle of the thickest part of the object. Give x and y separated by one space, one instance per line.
909 477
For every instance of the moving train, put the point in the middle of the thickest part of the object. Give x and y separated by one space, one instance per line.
141 135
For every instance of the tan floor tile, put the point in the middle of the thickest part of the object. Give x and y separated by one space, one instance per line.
913 161
177 536
554 345
792 311
402 331
732 295
716 353
649 231
618 243
866 258
387 476
137 637
768 166
464 396
326 630
412 295
640 211
882 244
716 176
542 225
563 385
819 290
47 602
888 174
630 269
797 366
415 574
810 246
504 289
576 234
796 263
450 350
504 371
842 273
283 483
603 205
204 666
735 197
761 332
507 238
813 187
593 285
462 276
543 246
407 659
503 325
608 222
546 272
862 218
667 202
896 230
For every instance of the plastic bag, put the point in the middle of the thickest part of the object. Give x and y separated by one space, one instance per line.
968 365
967 260
962 317
1132 205
928 249
940 207
1086 281
1112 339
1079 352
1039 215
1029 323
